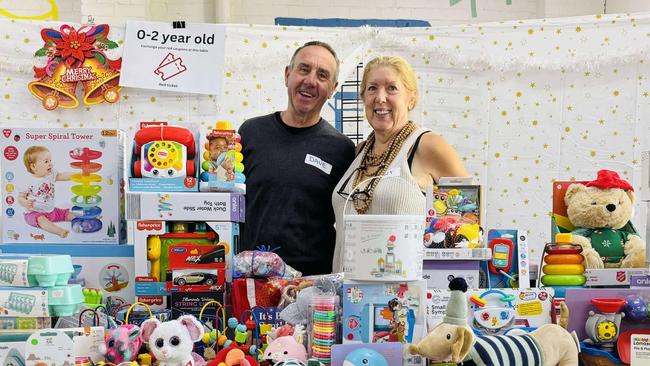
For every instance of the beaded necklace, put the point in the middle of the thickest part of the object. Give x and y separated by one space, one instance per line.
381 162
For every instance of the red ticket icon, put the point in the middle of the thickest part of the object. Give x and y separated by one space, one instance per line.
170 67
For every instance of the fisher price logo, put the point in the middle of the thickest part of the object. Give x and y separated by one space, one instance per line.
6 132
149 225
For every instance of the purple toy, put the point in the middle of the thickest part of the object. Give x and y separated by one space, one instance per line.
635 308
121 344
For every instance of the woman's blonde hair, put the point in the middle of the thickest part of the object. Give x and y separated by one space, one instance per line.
403 69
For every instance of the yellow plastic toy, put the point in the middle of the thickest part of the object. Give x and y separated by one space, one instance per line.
154 251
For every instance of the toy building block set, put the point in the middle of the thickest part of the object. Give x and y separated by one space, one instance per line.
62 186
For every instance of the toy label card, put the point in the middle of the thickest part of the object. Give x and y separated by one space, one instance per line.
157 56
640 354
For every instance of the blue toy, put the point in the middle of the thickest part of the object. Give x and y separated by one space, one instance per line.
635 307
364 356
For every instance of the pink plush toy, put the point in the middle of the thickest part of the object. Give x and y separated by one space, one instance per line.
172 342
287 346
121 344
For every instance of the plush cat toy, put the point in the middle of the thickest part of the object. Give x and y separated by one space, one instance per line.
172 342
121 344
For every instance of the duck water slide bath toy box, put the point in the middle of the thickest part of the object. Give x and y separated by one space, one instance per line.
61 186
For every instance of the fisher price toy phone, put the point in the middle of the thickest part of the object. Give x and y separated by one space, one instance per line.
163 152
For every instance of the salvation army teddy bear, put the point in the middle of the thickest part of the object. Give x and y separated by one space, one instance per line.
599 210
453 340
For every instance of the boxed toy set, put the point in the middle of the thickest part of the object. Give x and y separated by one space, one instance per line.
221 161
496 311
62 186
183 256
509 265
453 217
184 206
163 158
383 247
384 312
107 269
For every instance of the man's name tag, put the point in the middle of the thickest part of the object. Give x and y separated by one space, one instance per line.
318 163
393 172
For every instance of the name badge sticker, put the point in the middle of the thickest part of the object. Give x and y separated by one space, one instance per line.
393 172
318 163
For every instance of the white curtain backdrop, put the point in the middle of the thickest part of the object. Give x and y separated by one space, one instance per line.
524 102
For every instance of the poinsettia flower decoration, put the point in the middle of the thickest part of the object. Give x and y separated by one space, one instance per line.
72 46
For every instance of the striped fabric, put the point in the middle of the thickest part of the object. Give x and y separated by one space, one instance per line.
506 350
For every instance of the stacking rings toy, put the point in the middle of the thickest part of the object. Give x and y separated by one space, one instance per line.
563 280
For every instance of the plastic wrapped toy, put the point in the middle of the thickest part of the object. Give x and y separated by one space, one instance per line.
263 264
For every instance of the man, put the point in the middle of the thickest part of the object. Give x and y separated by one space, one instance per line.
293 160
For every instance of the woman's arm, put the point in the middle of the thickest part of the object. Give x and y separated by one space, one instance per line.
438 158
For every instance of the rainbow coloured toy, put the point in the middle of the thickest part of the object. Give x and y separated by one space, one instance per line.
86 197
221 162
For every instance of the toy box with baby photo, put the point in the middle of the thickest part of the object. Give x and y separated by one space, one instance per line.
221 160
62 186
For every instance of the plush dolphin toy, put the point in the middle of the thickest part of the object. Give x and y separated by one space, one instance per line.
363 357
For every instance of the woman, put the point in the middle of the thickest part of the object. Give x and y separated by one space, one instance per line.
395 148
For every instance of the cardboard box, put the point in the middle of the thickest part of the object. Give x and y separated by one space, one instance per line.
372 310
462 254
438 274
147 284
509 251
192 303
221 173
68 180
154 153
183 206
579 302
531 307
107 267
453 217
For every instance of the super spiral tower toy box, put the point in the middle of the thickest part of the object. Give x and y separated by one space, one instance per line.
62 185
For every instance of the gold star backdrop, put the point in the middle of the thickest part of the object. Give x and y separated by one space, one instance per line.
524 102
